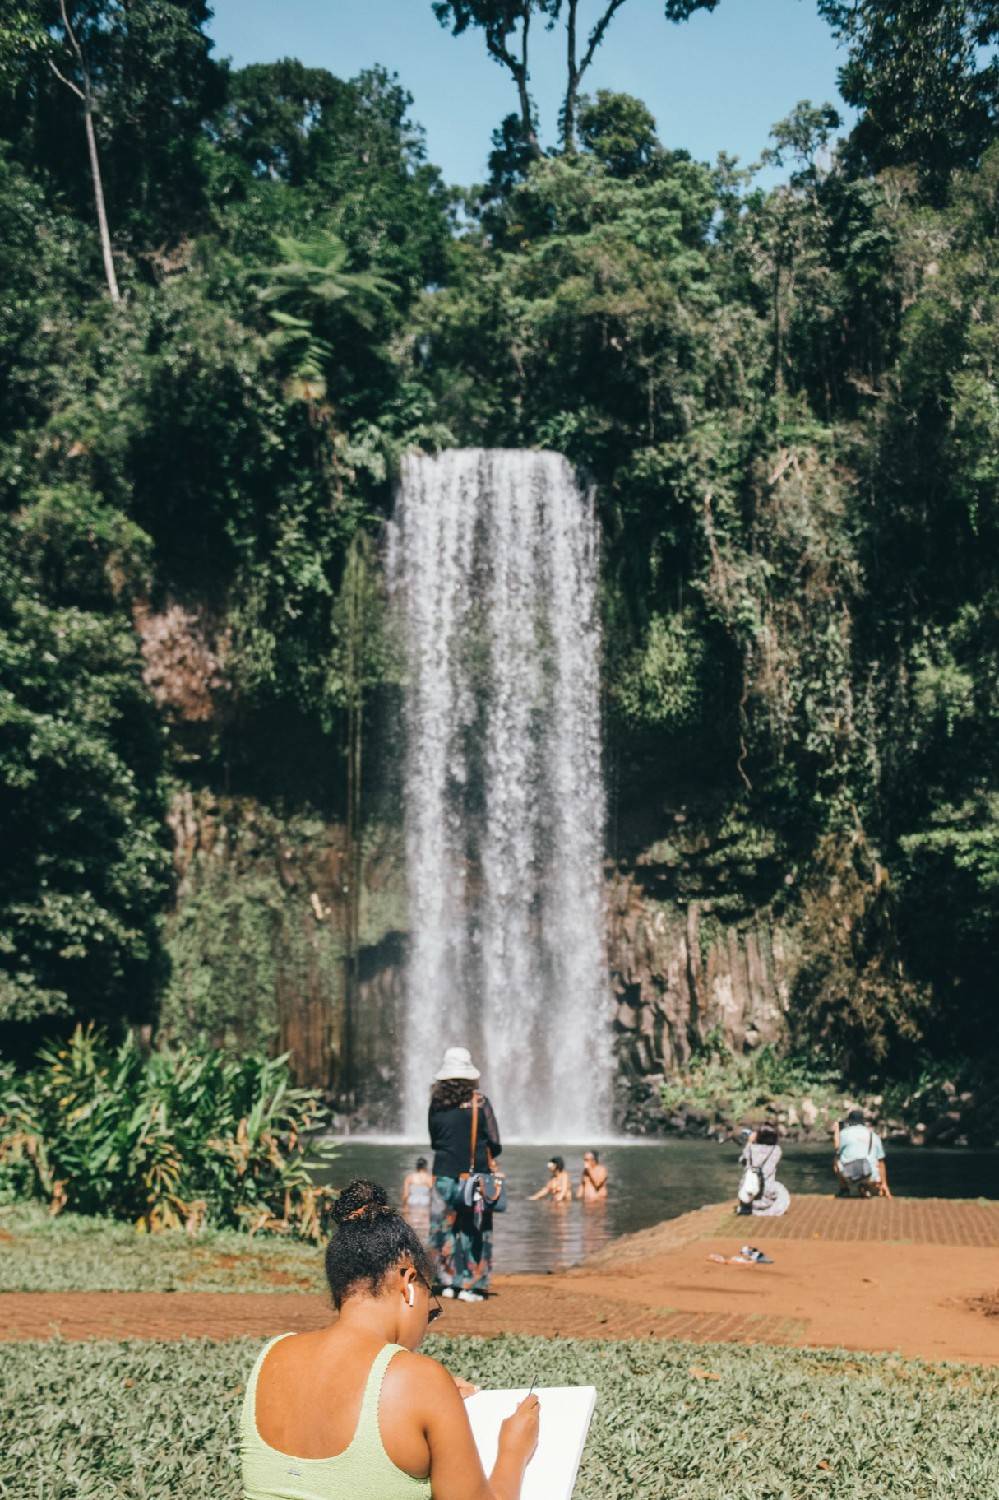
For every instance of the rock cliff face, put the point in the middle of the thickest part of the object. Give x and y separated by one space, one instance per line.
258 942
678 976
698 947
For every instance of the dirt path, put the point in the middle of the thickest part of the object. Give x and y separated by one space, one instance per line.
900 1276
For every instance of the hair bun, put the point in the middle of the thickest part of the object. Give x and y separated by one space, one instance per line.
358 1196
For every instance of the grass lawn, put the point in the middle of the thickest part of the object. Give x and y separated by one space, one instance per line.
81 1254
118 1421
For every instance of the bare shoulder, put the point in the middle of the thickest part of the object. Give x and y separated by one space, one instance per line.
419 1371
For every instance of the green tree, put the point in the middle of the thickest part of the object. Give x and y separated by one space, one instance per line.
300 152
925 77
312 286
506 26
143 75
85 872
620 132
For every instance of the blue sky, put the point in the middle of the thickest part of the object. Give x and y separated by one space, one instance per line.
716 82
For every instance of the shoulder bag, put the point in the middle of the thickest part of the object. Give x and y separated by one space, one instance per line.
482 1190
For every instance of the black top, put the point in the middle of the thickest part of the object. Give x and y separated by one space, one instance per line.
451 1138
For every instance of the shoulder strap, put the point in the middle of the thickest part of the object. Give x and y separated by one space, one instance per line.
367 1434
475 1131
250 1396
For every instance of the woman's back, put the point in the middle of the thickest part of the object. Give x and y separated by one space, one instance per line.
351 1411
765 1157
316 1425
451 1138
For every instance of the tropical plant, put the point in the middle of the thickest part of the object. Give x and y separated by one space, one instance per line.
177 1138
311 287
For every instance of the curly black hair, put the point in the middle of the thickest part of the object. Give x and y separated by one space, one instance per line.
371 1239
450 1093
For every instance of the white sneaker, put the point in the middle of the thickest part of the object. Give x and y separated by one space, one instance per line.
448 1291
467 1296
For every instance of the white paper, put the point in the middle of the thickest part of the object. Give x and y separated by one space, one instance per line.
566 1411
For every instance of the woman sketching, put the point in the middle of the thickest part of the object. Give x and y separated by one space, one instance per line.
351 1411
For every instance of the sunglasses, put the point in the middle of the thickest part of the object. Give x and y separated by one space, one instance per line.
434 1312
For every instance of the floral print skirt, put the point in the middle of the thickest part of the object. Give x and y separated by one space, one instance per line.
462 1250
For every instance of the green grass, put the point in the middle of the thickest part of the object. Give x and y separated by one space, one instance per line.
77 1253
134 1421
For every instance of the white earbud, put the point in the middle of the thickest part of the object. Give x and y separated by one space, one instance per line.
410 1295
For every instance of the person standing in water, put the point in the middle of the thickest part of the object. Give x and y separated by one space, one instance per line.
593 1180
558 1187
461 1237
351 1411
416 1190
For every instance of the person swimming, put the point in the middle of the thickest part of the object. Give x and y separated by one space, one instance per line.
558 1187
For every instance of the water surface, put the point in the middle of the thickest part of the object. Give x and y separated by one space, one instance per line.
651 1181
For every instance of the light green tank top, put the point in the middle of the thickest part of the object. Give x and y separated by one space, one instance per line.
363 1471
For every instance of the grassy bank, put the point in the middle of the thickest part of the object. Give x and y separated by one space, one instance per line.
116 1421
76 1252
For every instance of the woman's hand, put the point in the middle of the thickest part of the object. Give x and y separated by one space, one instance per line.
465 1388
518 1435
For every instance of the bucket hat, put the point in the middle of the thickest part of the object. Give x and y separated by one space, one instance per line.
457 1064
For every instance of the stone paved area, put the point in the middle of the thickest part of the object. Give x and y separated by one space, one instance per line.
921 1292
911 1221
526 1310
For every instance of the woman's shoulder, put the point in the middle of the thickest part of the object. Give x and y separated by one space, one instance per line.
420 1372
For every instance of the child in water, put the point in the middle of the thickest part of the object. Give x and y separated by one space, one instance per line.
558 1187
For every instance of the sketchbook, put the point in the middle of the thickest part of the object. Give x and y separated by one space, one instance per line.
566 1411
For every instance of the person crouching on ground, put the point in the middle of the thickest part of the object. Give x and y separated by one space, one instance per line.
761 1156
351 1411
593 1179
461 1237
558 1187
859 1160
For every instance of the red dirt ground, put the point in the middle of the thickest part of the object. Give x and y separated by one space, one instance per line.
912 1276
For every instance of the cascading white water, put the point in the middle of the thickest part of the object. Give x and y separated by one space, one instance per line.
493 569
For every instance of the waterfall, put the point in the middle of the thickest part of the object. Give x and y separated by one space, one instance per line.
493 573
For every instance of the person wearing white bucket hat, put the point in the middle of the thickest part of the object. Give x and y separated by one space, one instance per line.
458 1064
461 1241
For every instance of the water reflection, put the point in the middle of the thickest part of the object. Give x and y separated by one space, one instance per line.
651 1181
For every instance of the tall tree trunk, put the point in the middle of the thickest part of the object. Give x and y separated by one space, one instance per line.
102 217
575 72
522 74
572 84
353 853
86 96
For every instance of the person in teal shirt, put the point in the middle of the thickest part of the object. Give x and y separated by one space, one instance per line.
859 1161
